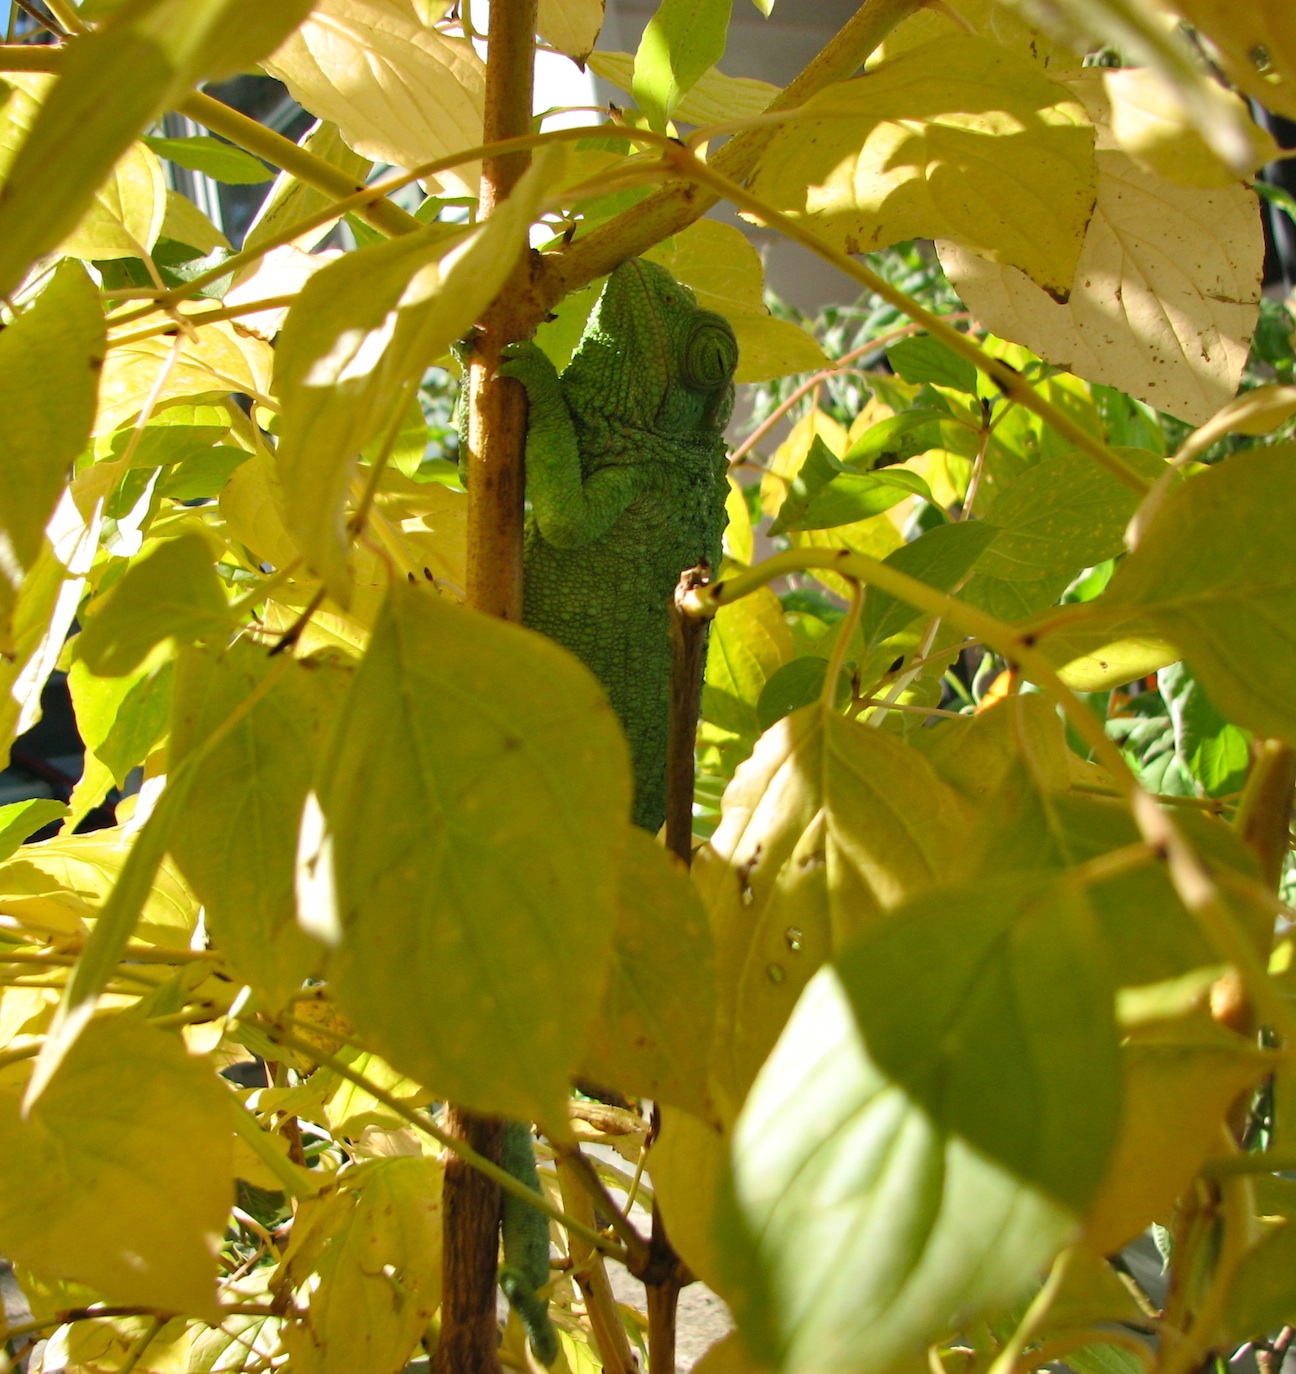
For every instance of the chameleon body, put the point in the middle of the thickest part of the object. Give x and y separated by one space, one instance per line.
626 478
625 471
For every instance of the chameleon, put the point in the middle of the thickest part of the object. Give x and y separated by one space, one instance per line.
626 479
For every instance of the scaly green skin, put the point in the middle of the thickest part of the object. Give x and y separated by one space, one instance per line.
625 469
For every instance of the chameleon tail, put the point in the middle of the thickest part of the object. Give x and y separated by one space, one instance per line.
526 1246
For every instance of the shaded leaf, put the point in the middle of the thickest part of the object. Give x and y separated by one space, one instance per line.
904 1163
214 158
653 1031
96 1189
748 642
474 802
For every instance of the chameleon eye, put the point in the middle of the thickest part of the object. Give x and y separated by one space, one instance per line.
710 353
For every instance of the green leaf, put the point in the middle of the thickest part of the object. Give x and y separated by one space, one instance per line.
942 557
170 593
236 841
1262 1292
904 1163
120 719
680 43
925 359
1214 752
749 641
652 1034
472 805
368 1258
897 438
113 83
827 825
955 139
202 476
364 327
49 377
795 685
96 1188
1057 518
1213 573
219 160
825 493
21 819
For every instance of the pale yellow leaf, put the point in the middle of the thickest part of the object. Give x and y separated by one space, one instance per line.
1259 411
95 1187
994 19
828 824
281 272
186 223
1257 40
291 200
369 1259
251 505
770 348
1165 296
218 362
686 1165
715 99
361 330
1150 123
400 92
127 213
957 139
738 532
571 26
750 641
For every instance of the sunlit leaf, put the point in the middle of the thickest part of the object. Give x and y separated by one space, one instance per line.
236 841
361 329
170 593
422 94
748 643
96 1189
49 364
371 1255
957 139
113 83
21 819
571 26
1164 297
474 800
126 215
714 99
681 41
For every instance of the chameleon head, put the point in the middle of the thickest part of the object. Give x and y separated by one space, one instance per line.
651 356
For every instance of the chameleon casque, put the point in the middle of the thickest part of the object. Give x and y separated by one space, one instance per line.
626 479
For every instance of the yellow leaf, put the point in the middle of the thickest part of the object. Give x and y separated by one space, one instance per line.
1150 123
400 92
251 505
95 1188
653 1030
738 531
714 99
1258 411
126 215
1257 41
49 362
957 139
686 1164
186 223
571 26
1180 1081
474 804
58 884
749 642
360 331
43 614
291 200
724 270
349 1109
828 824
219 361
793 451
1002 22
728 1356
369 1259
1165 296
236 839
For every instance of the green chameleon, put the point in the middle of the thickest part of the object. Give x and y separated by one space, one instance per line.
625 474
